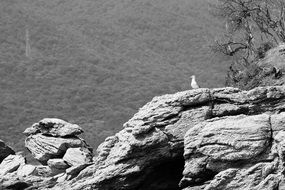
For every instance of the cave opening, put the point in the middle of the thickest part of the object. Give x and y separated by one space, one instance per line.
164 176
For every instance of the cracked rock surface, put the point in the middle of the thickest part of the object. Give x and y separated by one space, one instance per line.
51 137
210 139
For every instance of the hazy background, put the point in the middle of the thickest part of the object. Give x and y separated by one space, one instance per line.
95 62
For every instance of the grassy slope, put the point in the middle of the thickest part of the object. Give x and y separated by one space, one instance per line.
95 62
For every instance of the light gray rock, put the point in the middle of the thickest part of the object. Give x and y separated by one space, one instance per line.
230 138
54 127
74 170
26 170
46 171
226 128
11 163
57 163
44 147
77 156
257 177
5 151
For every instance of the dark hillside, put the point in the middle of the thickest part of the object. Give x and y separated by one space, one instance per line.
95 62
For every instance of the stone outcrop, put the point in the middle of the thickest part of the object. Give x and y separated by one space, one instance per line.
26 170
16 174
54 127
50 138
233 140
45 147
11 163
58 163
5 150
203 139
77 156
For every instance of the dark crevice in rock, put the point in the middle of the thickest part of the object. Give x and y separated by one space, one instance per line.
266 105
18 186
225 100
271 132
199 180
171 117
161 175
164 176
267 101
191 107
242 110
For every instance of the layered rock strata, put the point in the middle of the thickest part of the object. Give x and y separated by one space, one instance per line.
229 133
51 138
52 142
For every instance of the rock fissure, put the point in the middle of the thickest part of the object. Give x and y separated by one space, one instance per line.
232 139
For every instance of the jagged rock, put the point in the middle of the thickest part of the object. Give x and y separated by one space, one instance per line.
46 171
26 170
74 170
5 151
11 181
58 163
226 129
11 163
44 147
77 156
54 127
31 182
219 144
237 152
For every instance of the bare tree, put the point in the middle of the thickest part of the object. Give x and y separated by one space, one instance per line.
248 23
251 27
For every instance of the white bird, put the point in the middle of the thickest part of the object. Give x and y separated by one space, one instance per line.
194 84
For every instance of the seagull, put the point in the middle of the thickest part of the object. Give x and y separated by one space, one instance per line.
194 84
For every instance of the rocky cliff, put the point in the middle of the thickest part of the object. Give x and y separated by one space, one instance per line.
203 139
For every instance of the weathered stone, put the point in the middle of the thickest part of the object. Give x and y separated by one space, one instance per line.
46 171
228 130
44 147
54 127
11 163
5 150
57 163
218 143
229 138
77 156
278 123
74 170
154 113
26 170
255 177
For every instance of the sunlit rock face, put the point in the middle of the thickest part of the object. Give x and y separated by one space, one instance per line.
55 144
203 139
198 139
51 138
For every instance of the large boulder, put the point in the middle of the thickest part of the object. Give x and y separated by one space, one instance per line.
11 163
54 127
219 144
26 170
148 152
50 138
5 150
57 163
44 147
77 156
